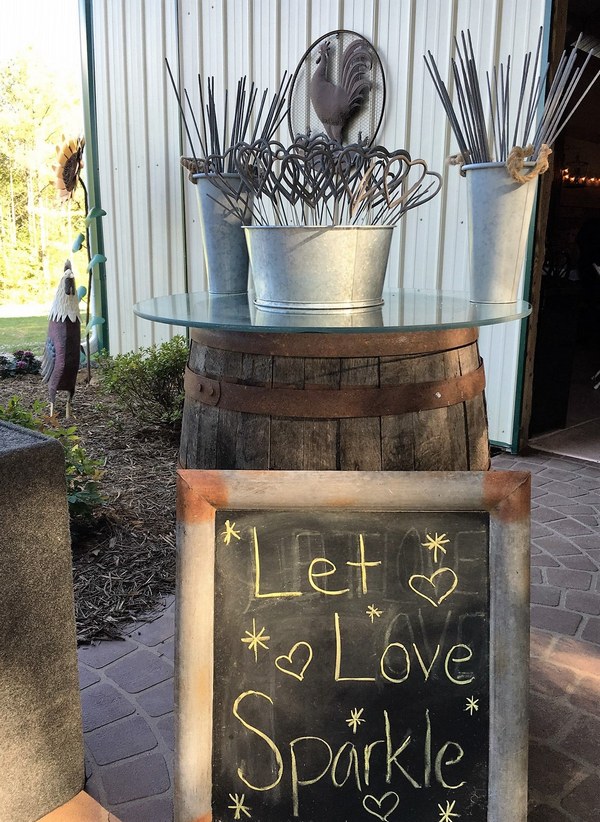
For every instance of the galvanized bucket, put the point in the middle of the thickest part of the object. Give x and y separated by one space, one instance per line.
318 268
225 251
499 217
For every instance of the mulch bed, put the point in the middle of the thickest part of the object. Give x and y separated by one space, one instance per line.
123 561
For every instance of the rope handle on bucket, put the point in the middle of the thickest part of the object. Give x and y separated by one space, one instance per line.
514 163
458 160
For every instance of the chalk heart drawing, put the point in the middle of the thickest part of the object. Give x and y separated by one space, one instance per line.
381 808
297 661
435 588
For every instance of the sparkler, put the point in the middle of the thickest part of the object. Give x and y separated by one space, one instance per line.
486 136
213 135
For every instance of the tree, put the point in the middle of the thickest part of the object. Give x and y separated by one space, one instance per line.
36 107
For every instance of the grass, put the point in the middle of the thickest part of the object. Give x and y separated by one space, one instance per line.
28 333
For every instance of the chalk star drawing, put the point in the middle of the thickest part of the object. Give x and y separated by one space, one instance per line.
373 612
355 719
447 813
229 532
435 544
472 705
238 806
254 640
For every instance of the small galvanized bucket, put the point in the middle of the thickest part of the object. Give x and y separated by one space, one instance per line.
225 251
318 268
499 217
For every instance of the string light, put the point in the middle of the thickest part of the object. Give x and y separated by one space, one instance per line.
574 177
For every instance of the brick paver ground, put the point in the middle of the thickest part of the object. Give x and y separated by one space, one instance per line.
127 687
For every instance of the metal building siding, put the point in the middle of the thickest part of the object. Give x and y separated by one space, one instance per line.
138 162
153 235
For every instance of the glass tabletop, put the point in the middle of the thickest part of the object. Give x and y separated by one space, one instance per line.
403 309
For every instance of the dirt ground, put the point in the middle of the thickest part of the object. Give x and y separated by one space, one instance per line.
124 561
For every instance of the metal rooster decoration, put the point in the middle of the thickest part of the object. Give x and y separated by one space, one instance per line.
334 104
60 362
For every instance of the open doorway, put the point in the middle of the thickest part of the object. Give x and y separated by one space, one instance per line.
565 415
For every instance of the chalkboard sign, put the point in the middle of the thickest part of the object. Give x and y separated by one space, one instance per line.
352 649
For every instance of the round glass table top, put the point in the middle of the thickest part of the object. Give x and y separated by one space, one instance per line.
404 309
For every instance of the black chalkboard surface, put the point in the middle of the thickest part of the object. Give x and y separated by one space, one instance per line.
352 646
351 675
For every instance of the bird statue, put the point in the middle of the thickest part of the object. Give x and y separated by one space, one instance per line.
60 362
334 104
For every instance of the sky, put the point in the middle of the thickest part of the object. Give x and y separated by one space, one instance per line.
49 27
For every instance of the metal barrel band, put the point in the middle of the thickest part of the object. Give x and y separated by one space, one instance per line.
318 402
320 344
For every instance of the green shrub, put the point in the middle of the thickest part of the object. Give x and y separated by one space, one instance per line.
82 472
148 382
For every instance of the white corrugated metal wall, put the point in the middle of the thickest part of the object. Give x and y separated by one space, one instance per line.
151 231
138 161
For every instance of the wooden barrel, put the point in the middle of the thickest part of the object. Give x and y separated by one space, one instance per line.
316 401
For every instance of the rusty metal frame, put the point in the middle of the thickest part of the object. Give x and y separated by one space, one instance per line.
504 495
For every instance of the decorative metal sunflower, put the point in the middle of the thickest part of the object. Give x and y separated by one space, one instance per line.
70 163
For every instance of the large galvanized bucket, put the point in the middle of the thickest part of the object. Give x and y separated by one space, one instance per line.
225 251
318 268
499 218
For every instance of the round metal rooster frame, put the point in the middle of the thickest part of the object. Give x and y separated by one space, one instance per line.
350 73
